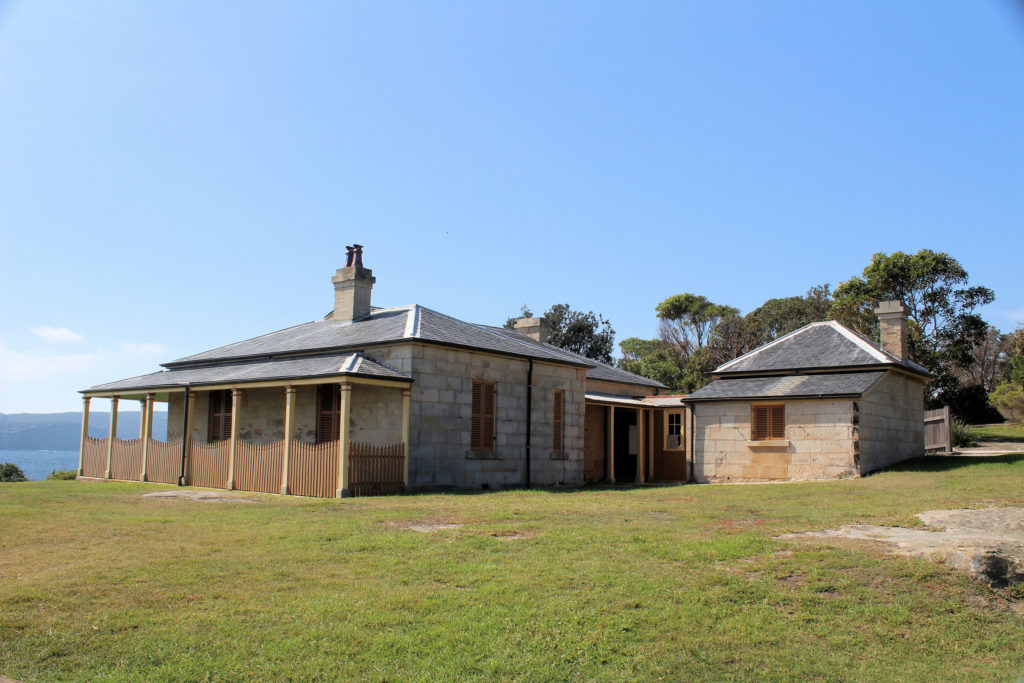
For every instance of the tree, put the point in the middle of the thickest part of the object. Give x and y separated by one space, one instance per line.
992 361
654 359
778 317
587 334
687 321
11 472
943 325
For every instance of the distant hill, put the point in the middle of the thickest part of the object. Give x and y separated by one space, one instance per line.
62 431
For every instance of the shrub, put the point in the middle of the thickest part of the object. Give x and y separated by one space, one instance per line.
961 434
11 472
62 474
1009 399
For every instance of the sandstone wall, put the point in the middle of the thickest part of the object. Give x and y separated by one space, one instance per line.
819 443
891 422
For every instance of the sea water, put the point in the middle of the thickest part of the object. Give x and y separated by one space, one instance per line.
37 464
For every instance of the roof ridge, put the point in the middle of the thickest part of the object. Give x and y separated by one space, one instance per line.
863 342
764 347
412 323
385 365
240 341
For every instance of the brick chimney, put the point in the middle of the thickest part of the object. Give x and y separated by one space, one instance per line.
892 323
535 328
352 286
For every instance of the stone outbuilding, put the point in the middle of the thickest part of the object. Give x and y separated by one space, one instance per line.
376 400
822 402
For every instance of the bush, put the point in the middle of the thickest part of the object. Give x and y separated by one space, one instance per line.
62 474
969 403
961 434
1009 399
11 472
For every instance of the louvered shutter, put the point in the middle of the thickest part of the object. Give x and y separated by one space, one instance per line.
759 429
777 420
220 416
556 434
482 418
328 398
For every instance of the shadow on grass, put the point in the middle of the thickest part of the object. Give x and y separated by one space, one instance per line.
946 463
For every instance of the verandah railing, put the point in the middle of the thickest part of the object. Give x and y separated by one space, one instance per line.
374 469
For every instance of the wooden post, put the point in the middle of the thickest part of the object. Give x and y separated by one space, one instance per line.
186 433
640 474
147 432
406 393
236 402
611 444
343 444
289 427
652 439
949 429
112 435
85 434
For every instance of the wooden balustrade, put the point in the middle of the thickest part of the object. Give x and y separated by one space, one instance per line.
164 464
258 466
376 469
94 457
313 469
208 464
126 459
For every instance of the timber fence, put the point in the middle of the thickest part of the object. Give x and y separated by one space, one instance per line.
126 459
94 457
163 463
258 466
208 464
376 469
313 469
938 430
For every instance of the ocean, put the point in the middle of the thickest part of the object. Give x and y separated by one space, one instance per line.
37 464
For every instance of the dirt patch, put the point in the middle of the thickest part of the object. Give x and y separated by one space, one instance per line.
793 580
512 535
426 526
201 496
988 543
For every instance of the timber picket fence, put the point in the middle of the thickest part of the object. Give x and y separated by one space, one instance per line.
374 469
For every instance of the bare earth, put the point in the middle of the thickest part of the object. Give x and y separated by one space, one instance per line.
202 496
987 543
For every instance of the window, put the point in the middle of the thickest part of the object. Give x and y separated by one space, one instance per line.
328 412
556 432
673 431
482 431
767 422
220 416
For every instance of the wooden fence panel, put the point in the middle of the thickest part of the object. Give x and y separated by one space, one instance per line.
258 466
126 460
313 469
164 461
94 457
208 464
376 469
938 434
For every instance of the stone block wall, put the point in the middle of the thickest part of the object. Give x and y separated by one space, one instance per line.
261 419
819 443
441 413
618 389
891 421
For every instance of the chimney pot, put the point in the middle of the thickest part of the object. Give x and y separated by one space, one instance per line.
352 287
892 326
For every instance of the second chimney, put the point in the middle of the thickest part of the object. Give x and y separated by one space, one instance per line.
352 287
892 323
535 328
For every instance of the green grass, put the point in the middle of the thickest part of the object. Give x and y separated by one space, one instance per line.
688 582
1004 432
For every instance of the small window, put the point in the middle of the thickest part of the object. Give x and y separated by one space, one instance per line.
556 433
482 430
673 431
220 416
328 412
768 422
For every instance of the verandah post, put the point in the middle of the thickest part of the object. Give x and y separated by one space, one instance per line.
405 436
236 400
85 435
611 444
112 435
289 422
344 412
147 430
640 475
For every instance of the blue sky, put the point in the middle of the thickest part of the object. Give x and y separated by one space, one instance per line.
179 175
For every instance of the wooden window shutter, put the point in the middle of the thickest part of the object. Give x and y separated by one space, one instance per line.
328 400
482 429
220 416
556 434
768 423
777 422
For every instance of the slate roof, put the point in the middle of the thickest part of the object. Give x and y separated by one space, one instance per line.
818 346
304 351
823 385
351 364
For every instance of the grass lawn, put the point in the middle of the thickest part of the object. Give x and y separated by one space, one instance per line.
686 582
1003 432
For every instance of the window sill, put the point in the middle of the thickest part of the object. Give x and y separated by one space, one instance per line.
482 455
770 443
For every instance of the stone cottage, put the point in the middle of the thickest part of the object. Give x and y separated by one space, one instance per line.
371 400
819 403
